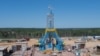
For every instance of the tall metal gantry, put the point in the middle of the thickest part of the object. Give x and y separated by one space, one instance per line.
50 19
50 34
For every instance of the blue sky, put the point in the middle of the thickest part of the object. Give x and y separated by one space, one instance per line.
32 13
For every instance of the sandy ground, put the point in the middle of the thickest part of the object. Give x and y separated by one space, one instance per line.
30 43
89 44
67 42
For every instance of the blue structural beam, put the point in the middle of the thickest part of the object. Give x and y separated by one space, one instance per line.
58 45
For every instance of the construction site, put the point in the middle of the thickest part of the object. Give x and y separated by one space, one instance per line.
50 44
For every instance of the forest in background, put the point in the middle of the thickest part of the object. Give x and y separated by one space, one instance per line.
39 32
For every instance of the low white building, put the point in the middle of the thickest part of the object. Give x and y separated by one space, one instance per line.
21 46
2 48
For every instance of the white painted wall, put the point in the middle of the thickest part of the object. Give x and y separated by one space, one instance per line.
1 53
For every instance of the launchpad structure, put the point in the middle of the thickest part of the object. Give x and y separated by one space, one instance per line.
50 40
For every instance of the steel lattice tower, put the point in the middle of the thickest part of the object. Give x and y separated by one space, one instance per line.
46 42
50 19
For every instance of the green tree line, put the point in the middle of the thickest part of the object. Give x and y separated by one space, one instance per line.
39 32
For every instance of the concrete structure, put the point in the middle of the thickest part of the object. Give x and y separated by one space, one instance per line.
2 48
79 44
98 49
22 46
